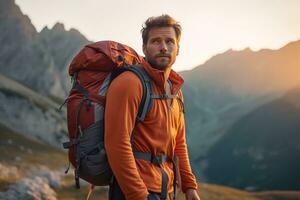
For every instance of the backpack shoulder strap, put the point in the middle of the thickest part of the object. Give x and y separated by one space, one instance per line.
147 91
146 100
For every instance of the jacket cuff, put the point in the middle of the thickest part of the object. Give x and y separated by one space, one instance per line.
184 189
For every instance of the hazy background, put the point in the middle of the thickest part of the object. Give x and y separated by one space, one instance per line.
209 27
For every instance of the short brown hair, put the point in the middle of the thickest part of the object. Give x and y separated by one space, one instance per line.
160 21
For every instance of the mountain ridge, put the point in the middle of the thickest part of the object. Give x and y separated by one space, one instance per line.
50 51
264 142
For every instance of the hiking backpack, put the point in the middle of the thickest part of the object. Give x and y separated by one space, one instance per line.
92 71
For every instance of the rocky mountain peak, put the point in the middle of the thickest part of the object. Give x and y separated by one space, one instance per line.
11 14
59 27
75 33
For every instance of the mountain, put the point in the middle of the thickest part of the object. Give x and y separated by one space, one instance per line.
229 86
33 66
61 45
45 71
18 37
261 150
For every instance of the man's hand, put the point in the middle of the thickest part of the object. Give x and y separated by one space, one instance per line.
191 194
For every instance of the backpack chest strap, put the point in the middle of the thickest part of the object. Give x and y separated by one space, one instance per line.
156 160
163 96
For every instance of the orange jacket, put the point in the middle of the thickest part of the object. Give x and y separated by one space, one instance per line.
162 132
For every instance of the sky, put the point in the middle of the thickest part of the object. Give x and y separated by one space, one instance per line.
209 27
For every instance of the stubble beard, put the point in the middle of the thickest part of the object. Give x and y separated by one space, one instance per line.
160 65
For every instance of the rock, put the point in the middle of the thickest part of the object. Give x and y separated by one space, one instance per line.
18 158
10 172
44 125
29 151
30 189
53 178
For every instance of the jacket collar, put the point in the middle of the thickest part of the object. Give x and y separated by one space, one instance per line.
159 79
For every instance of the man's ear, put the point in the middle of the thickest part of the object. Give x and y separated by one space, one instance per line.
144 49
178 50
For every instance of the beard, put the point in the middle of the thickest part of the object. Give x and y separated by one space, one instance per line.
160 61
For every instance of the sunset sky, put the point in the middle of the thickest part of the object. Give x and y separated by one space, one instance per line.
209 27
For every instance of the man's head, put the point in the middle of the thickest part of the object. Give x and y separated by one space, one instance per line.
161 36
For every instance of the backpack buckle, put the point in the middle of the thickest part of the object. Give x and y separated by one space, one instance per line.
70 143
164 96
157 160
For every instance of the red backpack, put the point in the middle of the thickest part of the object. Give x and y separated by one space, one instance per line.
92 70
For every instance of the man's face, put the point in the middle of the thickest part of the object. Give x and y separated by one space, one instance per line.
161 48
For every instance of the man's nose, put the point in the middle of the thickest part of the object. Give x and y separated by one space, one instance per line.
163 47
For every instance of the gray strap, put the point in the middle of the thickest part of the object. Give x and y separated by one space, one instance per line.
72 142
77 169
146 101
175 165
157 160
163 96
147 90
164 184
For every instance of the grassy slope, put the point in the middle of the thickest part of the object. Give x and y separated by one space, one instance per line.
28 154
31 154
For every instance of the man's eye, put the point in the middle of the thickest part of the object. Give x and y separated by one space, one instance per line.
170 42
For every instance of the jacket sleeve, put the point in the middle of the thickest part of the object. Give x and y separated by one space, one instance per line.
122 102
188 180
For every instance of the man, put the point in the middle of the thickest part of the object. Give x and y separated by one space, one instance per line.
161 134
